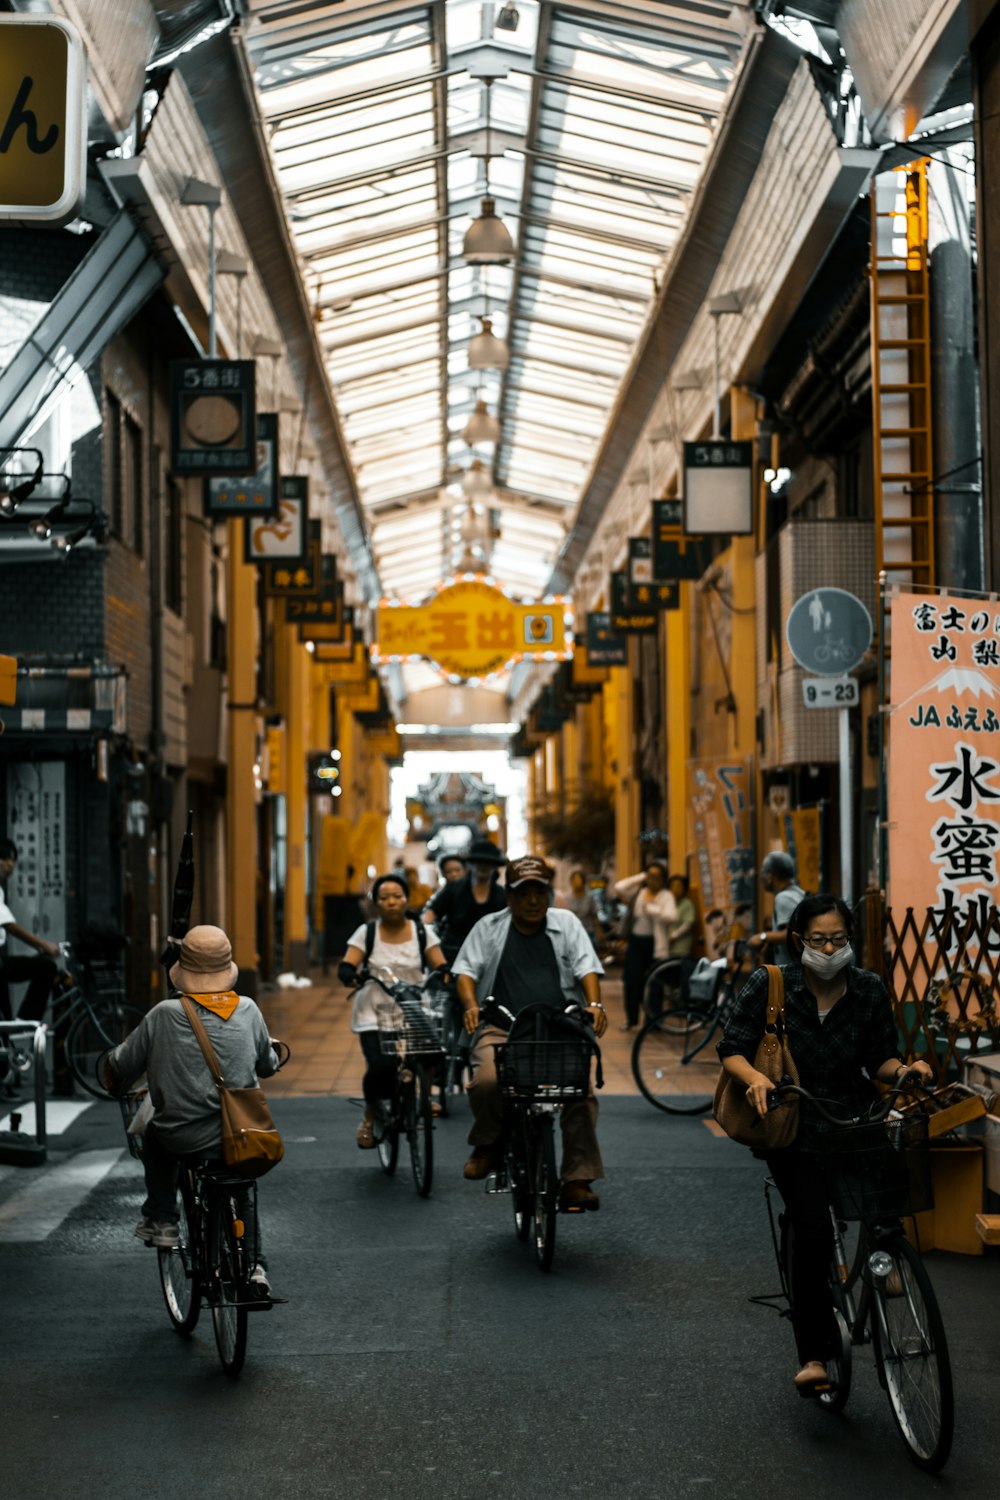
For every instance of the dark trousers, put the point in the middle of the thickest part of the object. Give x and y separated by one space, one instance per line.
162 1168
807 1204
379 1081
638 957
39 971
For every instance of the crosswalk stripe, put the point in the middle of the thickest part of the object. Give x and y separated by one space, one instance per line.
33 1212
59 1115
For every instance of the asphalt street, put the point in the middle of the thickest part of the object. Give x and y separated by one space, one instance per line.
422 1353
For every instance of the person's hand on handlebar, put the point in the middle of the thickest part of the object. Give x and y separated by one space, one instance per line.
470 1018
599 1016
918 1072
759 1088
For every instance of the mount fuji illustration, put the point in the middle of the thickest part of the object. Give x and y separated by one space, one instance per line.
955 680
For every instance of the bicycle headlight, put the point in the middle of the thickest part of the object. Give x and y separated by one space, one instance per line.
879 1263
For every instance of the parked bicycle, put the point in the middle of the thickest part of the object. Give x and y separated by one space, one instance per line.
218 1248
537 1077
674 1061
877 1168
408 1033
88 1009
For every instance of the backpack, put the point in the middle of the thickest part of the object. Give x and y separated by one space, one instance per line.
421 940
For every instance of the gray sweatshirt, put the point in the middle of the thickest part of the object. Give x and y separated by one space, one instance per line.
181 1087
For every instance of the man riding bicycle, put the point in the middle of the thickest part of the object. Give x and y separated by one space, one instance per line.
40 970
187 1120
531 954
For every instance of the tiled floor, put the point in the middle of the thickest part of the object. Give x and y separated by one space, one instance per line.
326 1058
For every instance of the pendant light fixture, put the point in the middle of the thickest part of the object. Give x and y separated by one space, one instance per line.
487 240
476 481
486 351
481 426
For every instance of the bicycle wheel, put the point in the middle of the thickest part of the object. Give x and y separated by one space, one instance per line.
545 1186
100 1025
661 989
840 1366
230 1293
912 1355
456 1063
420 1130
386 1136
178 1269
673 1064
520 1190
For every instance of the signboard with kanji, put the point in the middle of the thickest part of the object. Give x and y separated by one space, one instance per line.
720 806
302 579
605 648
675 554
470 630
718 488
944 755
634 621
254 494
43 119
284 535
654 596
212 416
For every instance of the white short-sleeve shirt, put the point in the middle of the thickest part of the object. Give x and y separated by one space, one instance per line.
402 958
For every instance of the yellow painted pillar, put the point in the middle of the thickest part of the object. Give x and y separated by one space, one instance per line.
296 674
553 764
623 768
241 809
677 710
571 739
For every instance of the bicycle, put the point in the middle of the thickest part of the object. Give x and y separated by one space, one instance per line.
537 1078
446 1012
214 1258
877 1171
90 1011
674 1062
407 1033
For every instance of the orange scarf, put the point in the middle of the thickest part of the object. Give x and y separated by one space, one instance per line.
221 1005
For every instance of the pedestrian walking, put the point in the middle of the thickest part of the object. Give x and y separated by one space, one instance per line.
652 913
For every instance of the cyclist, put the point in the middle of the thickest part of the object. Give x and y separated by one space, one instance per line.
451 868
842 1036
532 954
777 876
40 970
185 1099
457 906
652 912
394 940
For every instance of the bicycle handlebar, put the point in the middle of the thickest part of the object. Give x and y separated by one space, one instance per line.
877 1112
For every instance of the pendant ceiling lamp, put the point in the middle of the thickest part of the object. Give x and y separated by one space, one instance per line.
476 481
486 351
487 240
481 427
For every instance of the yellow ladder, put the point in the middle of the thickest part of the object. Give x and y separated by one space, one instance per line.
901 377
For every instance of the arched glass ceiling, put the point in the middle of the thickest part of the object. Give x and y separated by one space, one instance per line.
601 116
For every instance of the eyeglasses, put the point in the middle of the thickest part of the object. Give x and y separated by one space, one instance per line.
820 939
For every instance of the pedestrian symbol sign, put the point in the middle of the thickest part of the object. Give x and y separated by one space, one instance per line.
828 631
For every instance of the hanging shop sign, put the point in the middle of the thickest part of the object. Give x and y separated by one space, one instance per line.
654 596
646 594
640 561
212 416
43 119
605 647
38 817
675 554
255 494
719 827
302 578
828 631
634 621
470 629
944 756
284 535
718 488
619 592
802 835
320 619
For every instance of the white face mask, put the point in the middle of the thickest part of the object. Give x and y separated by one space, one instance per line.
827 965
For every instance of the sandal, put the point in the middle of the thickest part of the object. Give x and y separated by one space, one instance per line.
812 1378
366 1135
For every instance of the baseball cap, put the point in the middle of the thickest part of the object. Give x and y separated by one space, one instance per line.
530 867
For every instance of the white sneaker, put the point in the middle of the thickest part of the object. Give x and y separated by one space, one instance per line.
259 1281
144 1231
165 1236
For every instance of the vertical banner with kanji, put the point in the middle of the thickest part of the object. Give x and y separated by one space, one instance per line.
720 805
944 755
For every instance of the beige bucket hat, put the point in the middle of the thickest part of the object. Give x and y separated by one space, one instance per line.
205 965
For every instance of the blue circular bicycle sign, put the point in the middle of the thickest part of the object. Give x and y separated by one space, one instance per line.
828 631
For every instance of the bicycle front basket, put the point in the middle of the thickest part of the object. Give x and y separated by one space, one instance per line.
405 1028
543 1070
879 1170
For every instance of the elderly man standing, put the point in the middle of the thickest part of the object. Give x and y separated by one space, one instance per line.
531 954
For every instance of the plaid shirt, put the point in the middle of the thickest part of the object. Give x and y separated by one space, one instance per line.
859 1033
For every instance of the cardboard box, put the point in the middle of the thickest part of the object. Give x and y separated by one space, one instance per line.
982 1072
957 1175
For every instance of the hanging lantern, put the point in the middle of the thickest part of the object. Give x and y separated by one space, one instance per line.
487 240
481 427
486 351
476 481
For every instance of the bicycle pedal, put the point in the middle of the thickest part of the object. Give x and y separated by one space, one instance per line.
496 1184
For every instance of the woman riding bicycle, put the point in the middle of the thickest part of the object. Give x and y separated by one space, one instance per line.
396 944
842 1036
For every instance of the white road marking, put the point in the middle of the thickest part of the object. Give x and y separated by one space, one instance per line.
33 1212
59 1115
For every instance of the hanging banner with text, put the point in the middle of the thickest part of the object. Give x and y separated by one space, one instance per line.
944 755
719 827
675 554
470 629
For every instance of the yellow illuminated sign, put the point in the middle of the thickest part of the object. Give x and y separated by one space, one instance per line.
43 123
470 630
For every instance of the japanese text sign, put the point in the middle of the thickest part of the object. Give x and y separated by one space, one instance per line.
944 754
471 629
605 648
302 579
718 488
720 832
284 535
43 119
254 494
212 416
675 554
